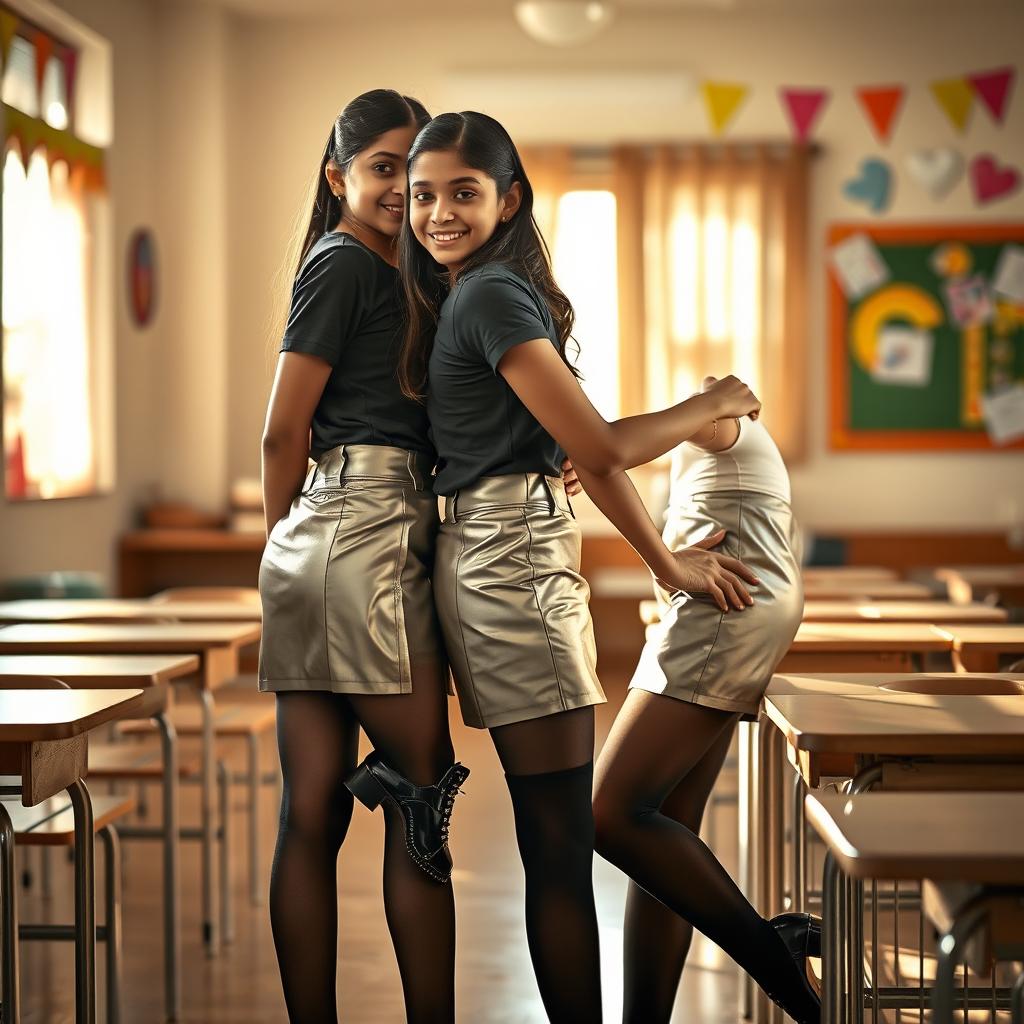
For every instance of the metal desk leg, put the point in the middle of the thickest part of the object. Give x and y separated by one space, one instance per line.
206 800
9 915
172 869
798 854
832 1003
1017 1002
745 804
112 878
255 879
85 905
951 946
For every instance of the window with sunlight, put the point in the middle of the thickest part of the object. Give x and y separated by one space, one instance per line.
53 358
584 258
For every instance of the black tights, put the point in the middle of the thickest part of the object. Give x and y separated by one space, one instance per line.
653 779
549 766
318 736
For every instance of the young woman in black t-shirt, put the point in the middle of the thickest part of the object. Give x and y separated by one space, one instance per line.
350 635
505 407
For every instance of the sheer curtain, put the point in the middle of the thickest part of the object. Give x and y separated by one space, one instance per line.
712 276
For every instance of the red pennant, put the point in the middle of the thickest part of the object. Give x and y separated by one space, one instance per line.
44 50
993 89
881 105
69 57
803 107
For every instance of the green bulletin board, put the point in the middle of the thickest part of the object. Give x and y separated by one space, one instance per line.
918 334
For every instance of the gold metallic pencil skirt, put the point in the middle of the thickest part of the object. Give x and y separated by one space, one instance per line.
345 577
698 654
512 603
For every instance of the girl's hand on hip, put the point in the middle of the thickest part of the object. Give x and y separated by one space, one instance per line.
732 397
702 571
570 479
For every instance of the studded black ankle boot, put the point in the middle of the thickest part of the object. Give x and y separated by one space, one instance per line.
426 810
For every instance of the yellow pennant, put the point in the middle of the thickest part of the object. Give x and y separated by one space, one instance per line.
956 97
8 26
722 100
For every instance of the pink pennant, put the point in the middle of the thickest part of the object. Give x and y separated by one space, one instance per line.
993 89
803 107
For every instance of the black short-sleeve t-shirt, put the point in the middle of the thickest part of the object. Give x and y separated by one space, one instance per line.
479 425
346 309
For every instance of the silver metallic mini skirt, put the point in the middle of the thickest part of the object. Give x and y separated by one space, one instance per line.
345 577
512 603
696 653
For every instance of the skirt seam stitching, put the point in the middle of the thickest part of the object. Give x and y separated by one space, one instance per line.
458 619
327 641
540 609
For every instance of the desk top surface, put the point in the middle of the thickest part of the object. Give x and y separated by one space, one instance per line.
869 636
127 610
868 590
942 836
900 611
884 722
81 671
128 637
29 715
1005 637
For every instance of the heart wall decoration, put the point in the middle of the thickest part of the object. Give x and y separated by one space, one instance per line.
872 186
937 171
992 181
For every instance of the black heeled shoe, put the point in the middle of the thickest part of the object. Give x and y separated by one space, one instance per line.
801 934
426 810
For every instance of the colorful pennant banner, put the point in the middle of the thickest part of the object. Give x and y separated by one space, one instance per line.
722 100
993 89
881 104
956 97
32 133
804 106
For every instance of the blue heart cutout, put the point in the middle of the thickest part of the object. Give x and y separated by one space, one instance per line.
871 186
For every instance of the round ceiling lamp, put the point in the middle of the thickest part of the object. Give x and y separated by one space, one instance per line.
563 22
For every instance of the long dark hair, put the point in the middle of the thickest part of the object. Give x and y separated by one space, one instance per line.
364 119
482 143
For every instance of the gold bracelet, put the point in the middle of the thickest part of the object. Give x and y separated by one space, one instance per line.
714 423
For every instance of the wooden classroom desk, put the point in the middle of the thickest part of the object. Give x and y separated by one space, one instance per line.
153 673
900 611
127 610
44 740
861 646
215 644
979 648
908 835
866 590
928 837
831 573
973 582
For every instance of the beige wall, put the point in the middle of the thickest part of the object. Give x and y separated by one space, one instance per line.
212 107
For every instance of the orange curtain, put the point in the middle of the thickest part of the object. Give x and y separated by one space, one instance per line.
712 247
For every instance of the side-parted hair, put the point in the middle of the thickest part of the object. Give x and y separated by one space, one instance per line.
482 143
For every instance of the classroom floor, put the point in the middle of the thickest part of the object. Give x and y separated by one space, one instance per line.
495 980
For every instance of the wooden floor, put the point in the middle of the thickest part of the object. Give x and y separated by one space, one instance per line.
241 986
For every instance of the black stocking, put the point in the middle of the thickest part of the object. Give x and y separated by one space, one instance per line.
410 731
318 740
549 771
654 743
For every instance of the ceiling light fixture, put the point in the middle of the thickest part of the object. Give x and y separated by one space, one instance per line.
563 22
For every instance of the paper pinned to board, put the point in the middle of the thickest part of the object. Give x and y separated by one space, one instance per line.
1008 281
859 266
904 356
969 302
1004 414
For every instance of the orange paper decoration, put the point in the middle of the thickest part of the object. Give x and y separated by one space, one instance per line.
881 104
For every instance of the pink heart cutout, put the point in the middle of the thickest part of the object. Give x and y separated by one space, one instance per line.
992 181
